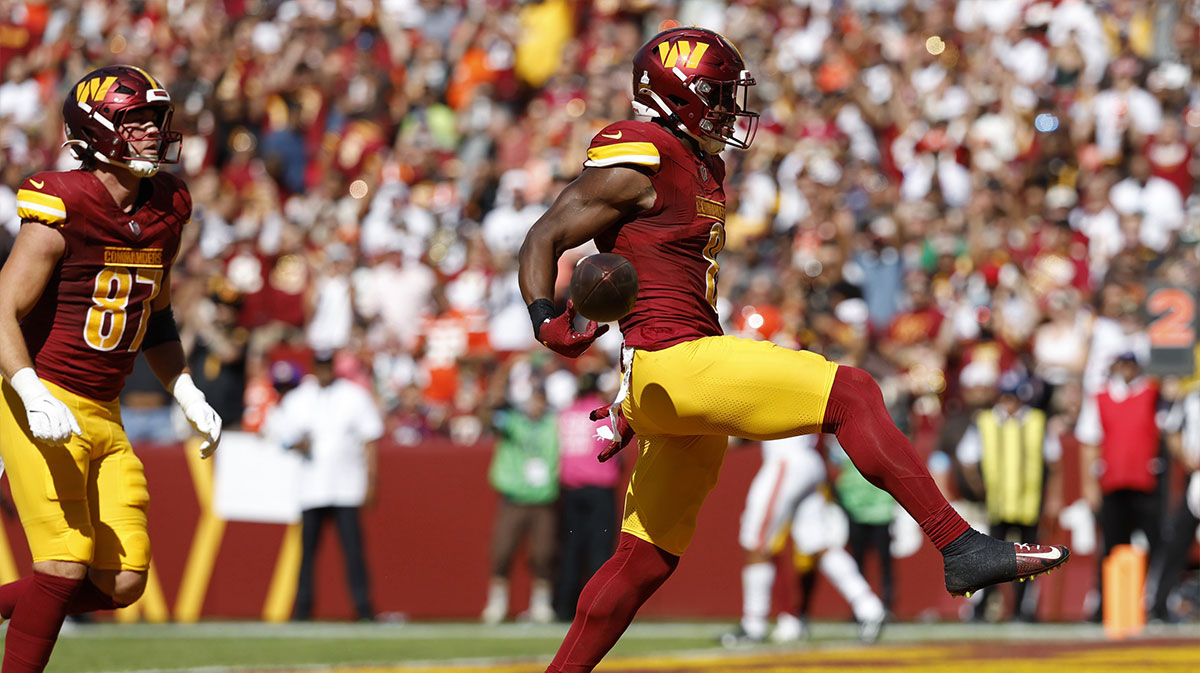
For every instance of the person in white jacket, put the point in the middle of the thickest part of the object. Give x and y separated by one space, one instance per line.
335 425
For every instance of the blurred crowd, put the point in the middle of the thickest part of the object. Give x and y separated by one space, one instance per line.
940 192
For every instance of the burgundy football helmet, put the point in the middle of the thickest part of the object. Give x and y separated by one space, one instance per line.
696 80
95 111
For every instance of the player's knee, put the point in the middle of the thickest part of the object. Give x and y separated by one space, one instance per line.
129 586
856 388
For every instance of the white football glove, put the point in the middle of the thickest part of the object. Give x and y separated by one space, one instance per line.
199 413
49 419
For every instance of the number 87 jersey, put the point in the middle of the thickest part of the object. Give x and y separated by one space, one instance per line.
85 331
673 245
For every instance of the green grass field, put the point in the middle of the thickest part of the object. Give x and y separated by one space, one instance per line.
216 647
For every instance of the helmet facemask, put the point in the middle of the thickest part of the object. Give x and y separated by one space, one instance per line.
726 117
168 142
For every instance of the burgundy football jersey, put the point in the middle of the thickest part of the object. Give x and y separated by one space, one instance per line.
87 328
673 245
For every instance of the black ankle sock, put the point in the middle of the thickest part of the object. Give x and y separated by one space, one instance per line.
969 541
976 560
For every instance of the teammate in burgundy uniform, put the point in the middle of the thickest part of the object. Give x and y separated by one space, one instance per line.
651 191
85 289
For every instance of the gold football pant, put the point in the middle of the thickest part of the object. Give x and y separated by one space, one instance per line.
686 401
84 501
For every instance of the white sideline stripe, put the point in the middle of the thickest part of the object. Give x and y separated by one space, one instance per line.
29 205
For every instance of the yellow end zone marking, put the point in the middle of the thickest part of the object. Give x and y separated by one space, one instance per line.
918 659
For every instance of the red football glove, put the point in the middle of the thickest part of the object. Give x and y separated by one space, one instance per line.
559 335
625 432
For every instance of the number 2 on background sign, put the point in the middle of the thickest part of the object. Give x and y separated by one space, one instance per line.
1174 312
111 298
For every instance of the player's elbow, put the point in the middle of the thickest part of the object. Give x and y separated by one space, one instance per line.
539 244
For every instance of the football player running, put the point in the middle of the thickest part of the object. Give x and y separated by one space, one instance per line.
652 192
85 289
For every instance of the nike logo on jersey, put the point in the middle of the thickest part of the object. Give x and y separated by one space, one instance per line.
37 184
614 136
1051 555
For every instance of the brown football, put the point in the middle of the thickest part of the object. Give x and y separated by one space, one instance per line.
604 287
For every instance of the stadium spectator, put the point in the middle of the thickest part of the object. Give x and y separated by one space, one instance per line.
1119 432
335 426
525 473
589 497
1009 457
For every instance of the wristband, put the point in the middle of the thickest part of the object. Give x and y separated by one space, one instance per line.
184 390
28 386
540 311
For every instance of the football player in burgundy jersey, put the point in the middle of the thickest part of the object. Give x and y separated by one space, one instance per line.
652 192
85 289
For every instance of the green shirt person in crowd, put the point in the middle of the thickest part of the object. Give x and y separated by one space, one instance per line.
524 471
870 511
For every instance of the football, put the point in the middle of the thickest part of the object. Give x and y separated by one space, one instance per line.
604 287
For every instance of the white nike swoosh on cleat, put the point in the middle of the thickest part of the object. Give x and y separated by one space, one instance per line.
1052 554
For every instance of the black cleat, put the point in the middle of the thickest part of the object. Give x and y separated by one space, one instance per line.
975 561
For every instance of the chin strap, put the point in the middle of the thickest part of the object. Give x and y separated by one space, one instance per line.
142 168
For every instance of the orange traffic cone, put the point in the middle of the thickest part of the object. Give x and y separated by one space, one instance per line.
1124 592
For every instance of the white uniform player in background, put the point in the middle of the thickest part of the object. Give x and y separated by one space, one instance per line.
787 489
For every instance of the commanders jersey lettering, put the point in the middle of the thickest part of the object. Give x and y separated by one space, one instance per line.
711 209
640 154
140 258
46 208
682 50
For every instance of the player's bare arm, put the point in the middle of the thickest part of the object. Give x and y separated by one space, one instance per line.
598 199
35 253
27 271
593 202
164 353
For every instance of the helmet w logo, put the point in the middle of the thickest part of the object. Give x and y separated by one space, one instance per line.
94 89
681 50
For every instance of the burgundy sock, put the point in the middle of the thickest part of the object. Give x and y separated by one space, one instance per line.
90 598
858 417
36 621
610 600
11 593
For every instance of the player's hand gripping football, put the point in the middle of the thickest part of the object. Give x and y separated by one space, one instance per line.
49 419
199 413
624 434
559 335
